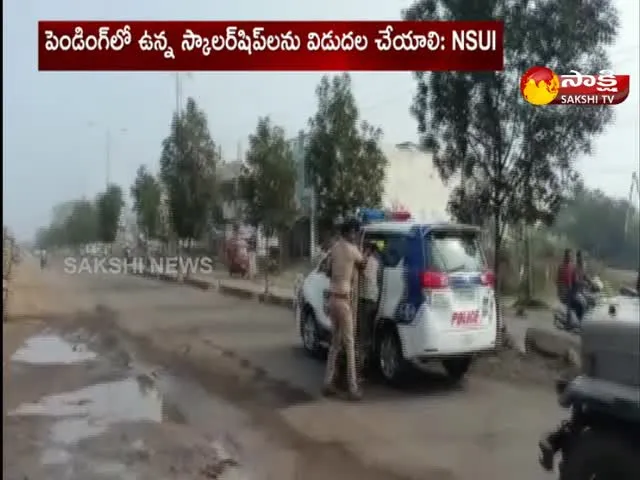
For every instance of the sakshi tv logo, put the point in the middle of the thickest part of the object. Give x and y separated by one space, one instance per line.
542 86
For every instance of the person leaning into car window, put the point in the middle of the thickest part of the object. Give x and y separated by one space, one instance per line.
368 301
345 258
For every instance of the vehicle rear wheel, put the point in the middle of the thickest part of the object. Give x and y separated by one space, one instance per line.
390 360
309 333
457 367
600 455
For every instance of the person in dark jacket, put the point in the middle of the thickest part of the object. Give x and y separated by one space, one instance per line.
565 278
580 284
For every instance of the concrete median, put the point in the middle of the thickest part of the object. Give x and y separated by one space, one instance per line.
237 291
546 342
285 301
247 292
198 283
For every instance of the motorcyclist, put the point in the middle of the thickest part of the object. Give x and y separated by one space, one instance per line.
580 286
565 281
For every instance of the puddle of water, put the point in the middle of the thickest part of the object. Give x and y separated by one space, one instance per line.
51 350
90 411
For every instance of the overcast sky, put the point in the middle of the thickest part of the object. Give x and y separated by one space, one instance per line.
55 124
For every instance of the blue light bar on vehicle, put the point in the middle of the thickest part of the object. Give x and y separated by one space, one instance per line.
371 215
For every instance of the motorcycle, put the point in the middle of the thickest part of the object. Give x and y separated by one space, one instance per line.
568 320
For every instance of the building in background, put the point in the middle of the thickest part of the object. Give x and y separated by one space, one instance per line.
412 183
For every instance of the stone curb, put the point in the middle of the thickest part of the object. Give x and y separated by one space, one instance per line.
245 293
231 290
553 344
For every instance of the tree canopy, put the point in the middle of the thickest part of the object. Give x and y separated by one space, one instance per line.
516 161
146 193
109 209
345 163
268 179
605 238
74 223
187 169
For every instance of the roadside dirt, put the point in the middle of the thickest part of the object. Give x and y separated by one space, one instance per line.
288 453
84 401
213 402
80 406
74 413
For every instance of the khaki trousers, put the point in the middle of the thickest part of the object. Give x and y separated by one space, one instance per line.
342 338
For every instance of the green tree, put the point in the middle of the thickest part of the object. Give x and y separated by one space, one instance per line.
109 205
345 164
516 160
188 171
268 181
605 238
82 225
73 224
62 211
52 236
146 194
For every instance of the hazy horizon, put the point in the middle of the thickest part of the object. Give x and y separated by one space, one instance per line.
55 124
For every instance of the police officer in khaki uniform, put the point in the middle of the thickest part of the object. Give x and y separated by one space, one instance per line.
345 257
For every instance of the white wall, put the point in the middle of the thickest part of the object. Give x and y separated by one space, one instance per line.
413 183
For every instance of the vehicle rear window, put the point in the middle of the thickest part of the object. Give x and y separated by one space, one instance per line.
452 252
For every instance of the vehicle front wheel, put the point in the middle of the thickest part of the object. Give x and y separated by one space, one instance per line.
309 333
457 367
600 455
390 360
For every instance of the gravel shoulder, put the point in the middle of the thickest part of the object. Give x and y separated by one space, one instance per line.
231 369
247 353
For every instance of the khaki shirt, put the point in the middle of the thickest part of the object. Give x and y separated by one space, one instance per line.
344 256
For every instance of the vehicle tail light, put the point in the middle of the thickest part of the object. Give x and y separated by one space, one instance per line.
434 280
488 279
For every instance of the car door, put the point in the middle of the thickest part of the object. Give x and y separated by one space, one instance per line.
316 291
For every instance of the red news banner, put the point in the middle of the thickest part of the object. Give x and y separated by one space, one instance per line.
275 46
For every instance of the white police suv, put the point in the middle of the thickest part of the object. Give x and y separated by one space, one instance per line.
437 299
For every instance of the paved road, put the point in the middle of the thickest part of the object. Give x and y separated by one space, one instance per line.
484 430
